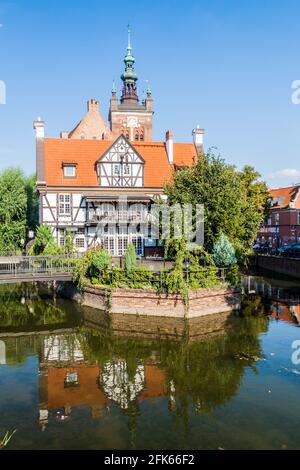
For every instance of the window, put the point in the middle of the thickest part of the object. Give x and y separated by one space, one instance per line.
64 204
70 171
117 170
71 379
126 170
277 218
79 242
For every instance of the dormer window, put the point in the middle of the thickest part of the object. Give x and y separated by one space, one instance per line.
69 170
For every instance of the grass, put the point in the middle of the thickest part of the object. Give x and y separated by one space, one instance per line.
6 439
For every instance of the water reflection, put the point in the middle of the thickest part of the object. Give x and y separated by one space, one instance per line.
276 299
124 367
98 369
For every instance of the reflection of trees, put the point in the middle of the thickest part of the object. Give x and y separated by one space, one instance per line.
19 348
206 374
22 307
255 305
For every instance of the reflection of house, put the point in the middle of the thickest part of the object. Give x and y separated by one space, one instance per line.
69 383
287 313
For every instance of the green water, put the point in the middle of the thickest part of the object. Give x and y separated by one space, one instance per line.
72 378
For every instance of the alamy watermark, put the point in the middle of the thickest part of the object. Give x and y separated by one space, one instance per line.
2 92
296 353
158 221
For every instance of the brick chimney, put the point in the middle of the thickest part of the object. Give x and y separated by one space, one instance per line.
39 127
198 139
170 146
93 105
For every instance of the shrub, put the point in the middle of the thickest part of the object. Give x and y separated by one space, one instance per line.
100 262
224 252
130 257
44 243
83 266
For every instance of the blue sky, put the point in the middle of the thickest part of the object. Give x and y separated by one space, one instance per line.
223 64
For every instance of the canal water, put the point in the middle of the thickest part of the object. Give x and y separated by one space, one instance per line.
73 378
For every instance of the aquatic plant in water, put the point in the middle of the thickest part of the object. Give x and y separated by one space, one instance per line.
6 439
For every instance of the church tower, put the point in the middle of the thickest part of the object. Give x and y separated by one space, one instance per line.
131 117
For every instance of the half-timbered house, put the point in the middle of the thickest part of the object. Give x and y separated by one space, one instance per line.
99 181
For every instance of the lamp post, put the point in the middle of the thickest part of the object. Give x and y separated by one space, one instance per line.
187 266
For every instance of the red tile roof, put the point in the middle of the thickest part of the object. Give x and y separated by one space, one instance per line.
86 153
287 197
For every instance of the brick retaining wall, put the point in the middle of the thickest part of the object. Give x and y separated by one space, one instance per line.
146 302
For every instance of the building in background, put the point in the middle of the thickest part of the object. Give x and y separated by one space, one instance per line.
283 223
82 175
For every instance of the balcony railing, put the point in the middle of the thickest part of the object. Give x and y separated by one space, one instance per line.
117 217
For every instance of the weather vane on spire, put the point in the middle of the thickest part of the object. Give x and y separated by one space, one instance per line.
129 36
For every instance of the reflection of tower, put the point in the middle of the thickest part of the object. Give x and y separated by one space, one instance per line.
2 353
124 390
172 396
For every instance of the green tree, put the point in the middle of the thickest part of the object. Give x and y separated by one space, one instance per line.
13 207
44 243
235 202
224 252
130 257
32 213
101 261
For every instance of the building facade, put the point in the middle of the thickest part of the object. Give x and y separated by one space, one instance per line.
100 180
283 223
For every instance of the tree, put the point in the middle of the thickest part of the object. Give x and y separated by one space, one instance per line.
13 207
101 261
235 202
44 243
224 252
32 213
130 257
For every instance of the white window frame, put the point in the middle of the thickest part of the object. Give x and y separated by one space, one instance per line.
64 204
68 168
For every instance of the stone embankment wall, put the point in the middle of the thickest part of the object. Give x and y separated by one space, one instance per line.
150 303
276 264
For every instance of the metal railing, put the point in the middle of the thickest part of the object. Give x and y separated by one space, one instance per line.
117 217
16 266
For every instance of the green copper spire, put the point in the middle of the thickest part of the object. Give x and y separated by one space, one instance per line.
129 77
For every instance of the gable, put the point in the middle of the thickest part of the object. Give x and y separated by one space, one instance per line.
121 166
121 150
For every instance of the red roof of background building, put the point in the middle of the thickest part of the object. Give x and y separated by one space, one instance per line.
86 153
289 197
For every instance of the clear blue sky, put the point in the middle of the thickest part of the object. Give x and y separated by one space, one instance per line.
223 64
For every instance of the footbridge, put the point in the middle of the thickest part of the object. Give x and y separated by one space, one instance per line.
14 269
